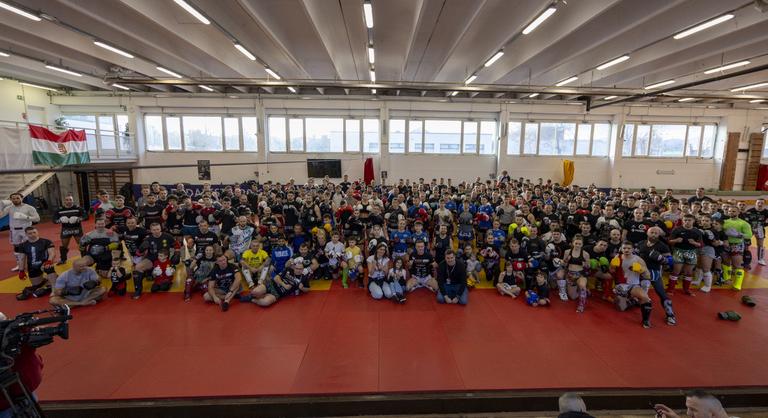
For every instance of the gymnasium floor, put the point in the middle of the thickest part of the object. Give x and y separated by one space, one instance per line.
336 340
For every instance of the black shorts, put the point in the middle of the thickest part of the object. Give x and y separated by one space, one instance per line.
71 232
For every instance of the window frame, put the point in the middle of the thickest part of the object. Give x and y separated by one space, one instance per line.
577 123
118 152
183 149
423 121
288 117
684 155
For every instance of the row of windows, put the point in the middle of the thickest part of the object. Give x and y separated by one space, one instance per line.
319 134
558 138
669 140
107 135
201 133
440 136
429 136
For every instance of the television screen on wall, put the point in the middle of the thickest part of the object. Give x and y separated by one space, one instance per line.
322 168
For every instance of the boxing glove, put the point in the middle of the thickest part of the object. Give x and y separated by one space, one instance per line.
169 271
64 220
655 255
637 267
157 271
593 264
90 284
74 219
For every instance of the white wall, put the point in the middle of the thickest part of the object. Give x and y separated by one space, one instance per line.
13 108
610 171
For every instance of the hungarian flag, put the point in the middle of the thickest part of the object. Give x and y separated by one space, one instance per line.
50 148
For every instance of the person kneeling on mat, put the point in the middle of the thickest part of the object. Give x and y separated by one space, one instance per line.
628 270
78 286
223 283
452 281
36 262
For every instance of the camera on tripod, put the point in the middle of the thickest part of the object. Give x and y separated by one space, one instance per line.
27 331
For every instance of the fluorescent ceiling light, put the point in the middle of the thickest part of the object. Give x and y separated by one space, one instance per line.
63 70
292 90
750 87
272 73
113 49
687 99
3 54
245 52
471 78
37 87
373 91
609 97
613 62
120 86
757 101
373 76
532 95
705 25
566 81
169 72
454 93
371 55
14 9
204 87
539 20
191 10
368 12
663 83
727 67
494 58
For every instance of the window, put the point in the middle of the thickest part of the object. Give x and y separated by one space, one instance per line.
231 134
488 137
601 139
557 138
470 137
582 138
352 135
202 133
153 126
296 131
107 135
416 136
371 135
531 143
629 133
513 138
442 136
123 129
664 140
324 134
397 136
173 132
277 134
250 134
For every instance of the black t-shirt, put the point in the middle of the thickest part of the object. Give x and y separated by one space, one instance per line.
74 211
154 245
686 234
441 245
36 252
203 240
133 238
117 275
291 211
644 251
636 230
421 264
223 278
151 214
225 218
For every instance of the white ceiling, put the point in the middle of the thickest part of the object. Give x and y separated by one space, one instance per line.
423 47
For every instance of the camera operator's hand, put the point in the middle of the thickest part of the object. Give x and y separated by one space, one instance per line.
22 275
663 411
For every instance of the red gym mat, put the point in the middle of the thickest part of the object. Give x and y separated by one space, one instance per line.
341 341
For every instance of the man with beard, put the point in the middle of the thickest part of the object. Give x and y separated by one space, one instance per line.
654 252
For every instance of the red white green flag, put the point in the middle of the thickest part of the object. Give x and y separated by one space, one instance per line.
52 149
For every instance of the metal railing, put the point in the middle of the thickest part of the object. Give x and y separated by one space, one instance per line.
103 145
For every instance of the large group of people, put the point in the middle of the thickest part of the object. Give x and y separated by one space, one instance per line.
262 242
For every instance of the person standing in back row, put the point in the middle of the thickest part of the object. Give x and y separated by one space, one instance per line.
70 217
20 216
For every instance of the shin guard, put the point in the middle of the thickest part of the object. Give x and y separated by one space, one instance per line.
738 278
646 309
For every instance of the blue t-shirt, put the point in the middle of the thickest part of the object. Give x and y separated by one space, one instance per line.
420 236
488 210
499 237
400 241
280 255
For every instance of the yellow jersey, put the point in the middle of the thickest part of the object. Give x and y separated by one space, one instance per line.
254 260
353 256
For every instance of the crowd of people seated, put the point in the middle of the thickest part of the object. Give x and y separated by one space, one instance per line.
261 242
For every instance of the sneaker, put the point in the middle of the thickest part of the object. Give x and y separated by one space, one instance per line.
646 324
580 309
136 296
224 306
671 320
761 262
400 298
24 295
42 292
563 296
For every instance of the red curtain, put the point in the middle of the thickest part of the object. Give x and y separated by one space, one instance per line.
762 177
368 173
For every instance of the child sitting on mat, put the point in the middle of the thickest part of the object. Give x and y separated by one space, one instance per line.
162 271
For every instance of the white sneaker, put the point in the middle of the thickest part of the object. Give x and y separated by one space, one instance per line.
563 296
761 262
705 289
